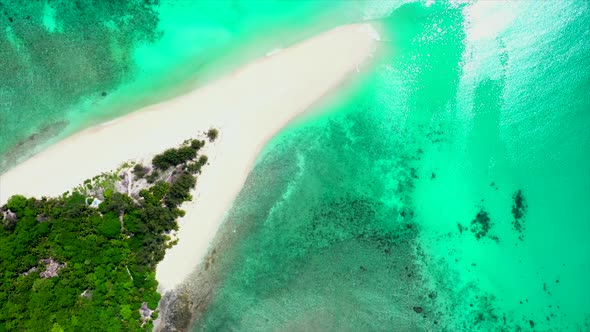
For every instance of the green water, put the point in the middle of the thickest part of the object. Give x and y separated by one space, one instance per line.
356 220
360 219
69 65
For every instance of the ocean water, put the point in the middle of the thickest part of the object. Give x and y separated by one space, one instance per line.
65 65
449 190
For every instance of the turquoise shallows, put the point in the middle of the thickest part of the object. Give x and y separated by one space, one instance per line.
400 209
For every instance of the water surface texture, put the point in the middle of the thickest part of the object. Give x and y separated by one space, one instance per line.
66 65
450 193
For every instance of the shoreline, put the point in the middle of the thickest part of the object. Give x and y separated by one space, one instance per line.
248 107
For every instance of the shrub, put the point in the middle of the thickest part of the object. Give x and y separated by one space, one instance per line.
17 203
202 160
117 203
153 176
197 144
173 157
193 168
212 134
180 189
139 171
110 226
160 190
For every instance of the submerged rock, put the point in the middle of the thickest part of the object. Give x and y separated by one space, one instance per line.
87 294
480 226
519 208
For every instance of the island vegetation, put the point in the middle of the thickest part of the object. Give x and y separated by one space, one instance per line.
212 134
85 261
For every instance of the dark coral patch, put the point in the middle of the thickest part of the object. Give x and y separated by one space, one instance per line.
481 225
519 208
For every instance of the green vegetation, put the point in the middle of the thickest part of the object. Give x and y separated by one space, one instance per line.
212 134
140 171
173 157
193 168
65 266
105 183
202 160
180 189
185 153
153 176
197 144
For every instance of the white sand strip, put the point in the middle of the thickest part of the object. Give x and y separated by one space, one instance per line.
248 107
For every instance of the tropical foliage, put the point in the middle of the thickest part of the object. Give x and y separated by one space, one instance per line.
65 266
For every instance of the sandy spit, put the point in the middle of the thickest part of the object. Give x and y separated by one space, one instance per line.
248 107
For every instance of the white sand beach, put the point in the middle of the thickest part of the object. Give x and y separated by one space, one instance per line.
248 107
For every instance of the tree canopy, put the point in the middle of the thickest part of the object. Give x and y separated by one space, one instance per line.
101 261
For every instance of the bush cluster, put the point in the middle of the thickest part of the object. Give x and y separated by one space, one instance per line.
212 134
140 171
174 157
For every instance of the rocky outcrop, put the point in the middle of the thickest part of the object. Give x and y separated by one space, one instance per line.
87 294
9 215
145 312
9 219
51 268
129 184
42 218
31 270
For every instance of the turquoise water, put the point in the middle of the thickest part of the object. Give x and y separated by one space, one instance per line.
363 219
69 65
448 192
